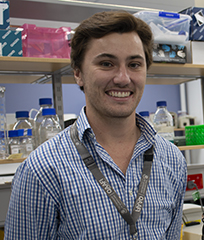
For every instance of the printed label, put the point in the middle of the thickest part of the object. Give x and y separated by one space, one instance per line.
29 147
15 149
51 134
199 17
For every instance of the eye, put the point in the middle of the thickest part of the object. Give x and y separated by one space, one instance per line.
134 65
106 64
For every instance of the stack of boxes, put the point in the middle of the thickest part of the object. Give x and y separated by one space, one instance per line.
196 33
178 38
171 33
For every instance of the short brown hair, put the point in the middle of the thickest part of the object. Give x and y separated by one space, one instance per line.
103 23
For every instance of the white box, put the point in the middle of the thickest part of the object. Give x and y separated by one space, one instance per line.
197 52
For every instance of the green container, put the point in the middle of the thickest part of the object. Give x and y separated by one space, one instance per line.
194 135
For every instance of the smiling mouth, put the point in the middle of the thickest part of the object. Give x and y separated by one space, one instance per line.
119 94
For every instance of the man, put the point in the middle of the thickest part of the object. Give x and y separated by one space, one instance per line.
56 196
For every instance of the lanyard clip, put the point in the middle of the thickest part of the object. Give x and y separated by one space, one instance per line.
133 231
134 236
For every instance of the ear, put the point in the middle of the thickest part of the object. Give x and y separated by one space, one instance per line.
78 77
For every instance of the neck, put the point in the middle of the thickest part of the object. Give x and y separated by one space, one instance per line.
117 136
114 129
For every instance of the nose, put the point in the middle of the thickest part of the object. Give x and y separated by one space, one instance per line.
122 77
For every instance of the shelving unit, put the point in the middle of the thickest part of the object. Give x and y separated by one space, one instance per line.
19 160
58 71
29 70
193 147
167 73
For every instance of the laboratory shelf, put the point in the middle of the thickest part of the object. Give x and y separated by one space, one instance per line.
32 64
191 147
18 160
29 69
167 73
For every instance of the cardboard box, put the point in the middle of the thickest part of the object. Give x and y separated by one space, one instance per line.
196 30
169 53
4 15
10 43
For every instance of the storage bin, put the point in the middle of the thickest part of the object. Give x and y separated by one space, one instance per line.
45 42
196 30
194 135
167 27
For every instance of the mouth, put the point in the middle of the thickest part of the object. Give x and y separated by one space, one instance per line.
119 94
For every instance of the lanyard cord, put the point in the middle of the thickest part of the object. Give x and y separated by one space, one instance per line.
122 209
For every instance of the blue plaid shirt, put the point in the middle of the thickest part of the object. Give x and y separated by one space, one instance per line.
54 195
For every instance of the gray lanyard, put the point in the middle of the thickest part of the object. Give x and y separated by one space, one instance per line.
122 209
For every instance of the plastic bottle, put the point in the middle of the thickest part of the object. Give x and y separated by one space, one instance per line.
163 121
145 115
49 126
25 141
22 120
44 103
14 145
3 125
3 145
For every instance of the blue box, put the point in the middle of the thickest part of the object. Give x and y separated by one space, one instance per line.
10 43
196 31
4 15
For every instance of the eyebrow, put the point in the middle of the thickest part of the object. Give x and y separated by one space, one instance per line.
137 56
106 55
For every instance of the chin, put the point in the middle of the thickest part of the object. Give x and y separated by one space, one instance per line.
121 114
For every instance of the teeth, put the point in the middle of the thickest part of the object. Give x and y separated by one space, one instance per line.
119 94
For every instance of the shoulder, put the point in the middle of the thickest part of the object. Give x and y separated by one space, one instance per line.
49 161
169 157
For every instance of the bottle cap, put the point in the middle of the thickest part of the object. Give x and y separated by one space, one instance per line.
48 111
24 132
1 134
29 132
161 104
45 101
13 133
144 113
20 114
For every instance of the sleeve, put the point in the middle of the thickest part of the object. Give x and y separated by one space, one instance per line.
174 230
32 213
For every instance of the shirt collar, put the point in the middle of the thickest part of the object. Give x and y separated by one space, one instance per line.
146 129
83 124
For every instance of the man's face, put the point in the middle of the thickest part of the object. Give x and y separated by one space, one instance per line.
113 75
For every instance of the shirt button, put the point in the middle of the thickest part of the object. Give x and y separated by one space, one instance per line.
130 192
